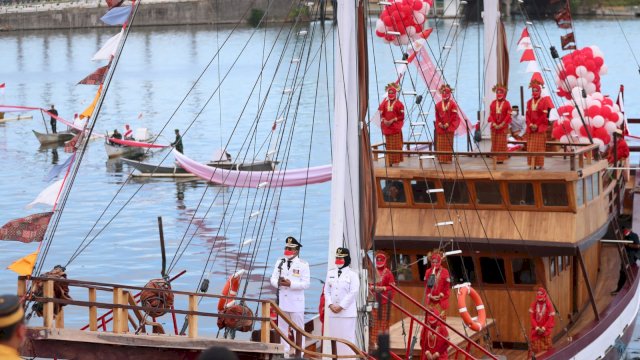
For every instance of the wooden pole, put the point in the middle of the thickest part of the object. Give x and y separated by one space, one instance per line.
93 311
164 256
22 287
47 311
588 283
265 329
193 319
117 312
60 319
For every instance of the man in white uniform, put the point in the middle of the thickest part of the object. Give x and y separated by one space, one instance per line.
291 277
340 293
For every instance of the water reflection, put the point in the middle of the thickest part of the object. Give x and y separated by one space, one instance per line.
114 166
54 156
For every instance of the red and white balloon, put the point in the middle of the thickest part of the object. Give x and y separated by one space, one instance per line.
406 17
581 68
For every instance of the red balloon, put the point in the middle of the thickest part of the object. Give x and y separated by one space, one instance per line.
417 5
590 65
418 28
587 51
387 20
380 34
389 37
570 69
607 101
593 111
599 61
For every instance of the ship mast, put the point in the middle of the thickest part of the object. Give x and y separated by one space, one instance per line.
496 58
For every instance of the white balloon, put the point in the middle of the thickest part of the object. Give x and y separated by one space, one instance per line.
564 139
576 123
610 126
590 76
572 80
419 17
582 82
620 120
615 108
581 70
574 113
380 27
598 96
597 121
425 8
591 102
395 42
411 31
604 69
599 142
596 51
404 39
590 88
583 140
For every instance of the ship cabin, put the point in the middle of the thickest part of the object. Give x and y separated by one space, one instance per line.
517 229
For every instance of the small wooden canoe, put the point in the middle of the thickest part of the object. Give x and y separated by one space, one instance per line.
15 118
152 170
51 138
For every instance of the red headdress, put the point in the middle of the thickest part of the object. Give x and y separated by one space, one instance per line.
445 88
393 85
536 84
497 87
436 256
541 294
381 258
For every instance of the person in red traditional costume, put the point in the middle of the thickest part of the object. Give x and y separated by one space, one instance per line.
128 132
537 118
499 118
542 322
433 347
391 121
447 121
438 284
382 294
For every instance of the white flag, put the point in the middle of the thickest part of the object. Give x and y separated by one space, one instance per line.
109 48
48 196
532 67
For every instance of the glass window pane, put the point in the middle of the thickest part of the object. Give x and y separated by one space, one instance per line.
488 193
552 266
420 188
579 193
455 192
402 268
588 189
492 270
461 269
521 194
596 184
524 271
393 190
554 194
423 265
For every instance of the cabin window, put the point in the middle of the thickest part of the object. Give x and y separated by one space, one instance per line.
488 193
524 271
421 194
554 194
579 193
462 269
560 264
393 191
402 268
521 194
552 267
567 262
588 189
423 265
492 270
455 192
596 185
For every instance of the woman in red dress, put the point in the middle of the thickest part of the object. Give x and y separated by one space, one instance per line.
499 118
383 294
537 118
391 121
447 121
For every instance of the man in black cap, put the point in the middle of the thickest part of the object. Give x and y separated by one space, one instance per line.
13 331
291 277
178 142
340 292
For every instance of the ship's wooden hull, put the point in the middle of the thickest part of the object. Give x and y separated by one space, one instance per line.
114 151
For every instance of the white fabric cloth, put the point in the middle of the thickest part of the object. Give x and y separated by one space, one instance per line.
518 124
48 196
342 328
292 297
342 290
298 319
109 48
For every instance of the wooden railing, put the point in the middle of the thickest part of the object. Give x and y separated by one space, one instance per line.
470 343
123 302
577 158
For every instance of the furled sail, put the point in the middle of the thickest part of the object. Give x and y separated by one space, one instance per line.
248 179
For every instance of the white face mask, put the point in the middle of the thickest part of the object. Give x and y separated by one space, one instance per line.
514 113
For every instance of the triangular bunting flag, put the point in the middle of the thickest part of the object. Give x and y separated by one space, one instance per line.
89 110
525 33
538 77
532 67
528 55
116 16
114 3
563 18
27 229
525 44
96 77
109 48
567 40
24 266
48 196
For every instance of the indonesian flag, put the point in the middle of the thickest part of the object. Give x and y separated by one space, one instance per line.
27 229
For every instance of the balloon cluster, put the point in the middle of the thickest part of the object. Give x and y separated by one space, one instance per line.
582 68
406 17
601 116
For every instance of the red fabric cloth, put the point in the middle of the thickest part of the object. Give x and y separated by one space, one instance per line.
389 111
379 322
499 143
537 114
442 286
542 315
444 142
500 116
429 342
394 142
536 142
447 114
384 278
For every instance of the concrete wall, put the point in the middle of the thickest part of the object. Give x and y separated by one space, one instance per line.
149 14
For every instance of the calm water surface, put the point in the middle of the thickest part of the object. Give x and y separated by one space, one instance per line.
157 69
